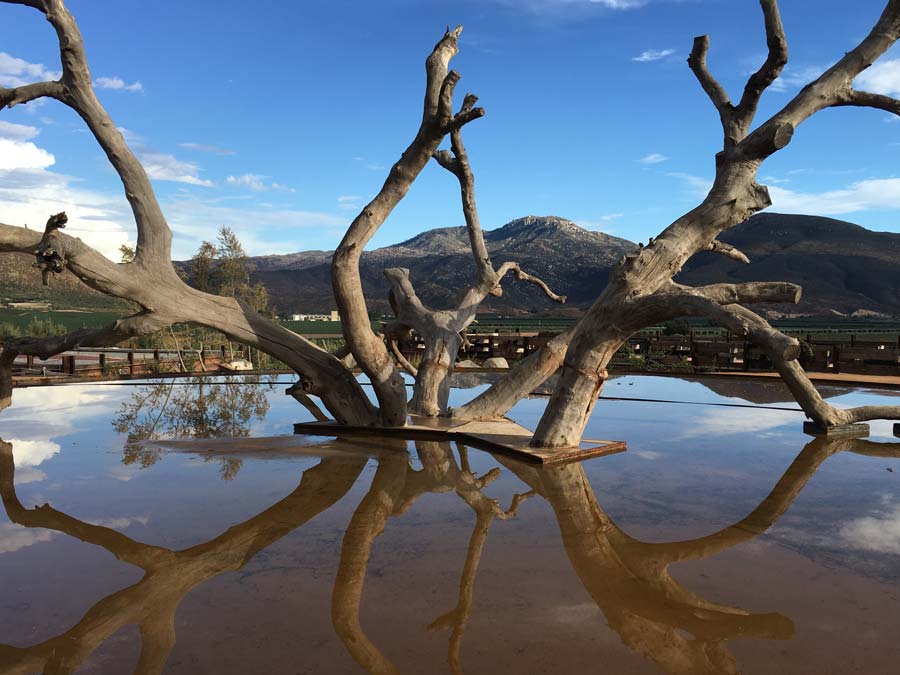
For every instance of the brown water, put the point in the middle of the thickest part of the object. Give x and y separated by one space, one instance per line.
722 541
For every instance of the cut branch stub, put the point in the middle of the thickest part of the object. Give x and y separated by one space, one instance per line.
51 253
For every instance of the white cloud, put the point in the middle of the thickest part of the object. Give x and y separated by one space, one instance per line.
253 181
874 193
653 55
28 195
730 421
16 155
163 166
256 182
33 452
29 474
653 158
16 72
17 132
261 231
117 83
14 537
879 532
883 77
202 147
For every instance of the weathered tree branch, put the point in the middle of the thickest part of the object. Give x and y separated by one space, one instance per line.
770 70
522 275
715 91
728 251
865 99
26 93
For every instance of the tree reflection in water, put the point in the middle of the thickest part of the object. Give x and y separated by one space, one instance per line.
627 579
191 408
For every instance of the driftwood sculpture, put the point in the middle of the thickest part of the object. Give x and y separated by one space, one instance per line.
641 290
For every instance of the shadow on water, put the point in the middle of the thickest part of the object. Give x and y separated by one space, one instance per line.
628 579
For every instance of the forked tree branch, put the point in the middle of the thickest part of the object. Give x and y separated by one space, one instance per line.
369 350
866 99
728 251
775 62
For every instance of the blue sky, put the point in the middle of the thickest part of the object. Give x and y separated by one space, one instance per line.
281 119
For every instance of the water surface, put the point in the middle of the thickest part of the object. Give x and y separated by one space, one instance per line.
723 540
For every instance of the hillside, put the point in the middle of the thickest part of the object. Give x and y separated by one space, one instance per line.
572 260
843 268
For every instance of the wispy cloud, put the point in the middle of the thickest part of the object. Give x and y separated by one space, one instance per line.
17 132
793 77
367 164
261 230
649 55
697 185
871 194
163 166
256 182
653 158
117 83
15 72
202 147
349 202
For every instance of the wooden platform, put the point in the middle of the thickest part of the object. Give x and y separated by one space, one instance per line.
840 431
499 436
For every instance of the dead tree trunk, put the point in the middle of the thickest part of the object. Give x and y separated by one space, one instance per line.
438 120
442 330
641 291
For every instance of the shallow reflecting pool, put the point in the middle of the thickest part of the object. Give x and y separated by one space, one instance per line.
135 538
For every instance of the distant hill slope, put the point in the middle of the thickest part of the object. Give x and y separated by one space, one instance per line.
572 260
20 281
842 267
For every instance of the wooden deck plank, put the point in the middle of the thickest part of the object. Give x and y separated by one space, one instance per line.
499 436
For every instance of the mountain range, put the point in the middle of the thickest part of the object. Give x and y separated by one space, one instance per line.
844 268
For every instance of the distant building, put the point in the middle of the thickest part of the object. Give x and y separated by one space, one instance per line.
332 316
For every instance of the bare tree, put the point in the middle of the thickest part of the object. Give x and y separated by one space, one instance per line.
444 330
641 290
150 280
